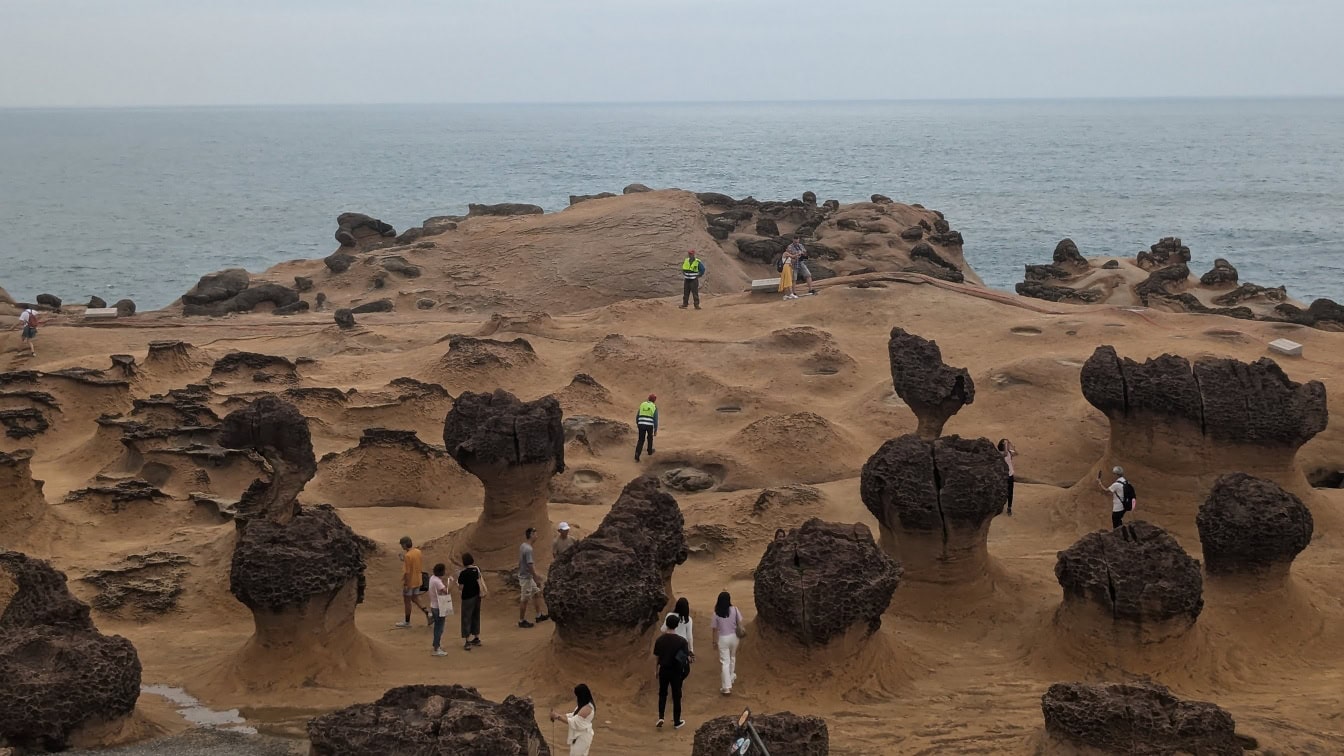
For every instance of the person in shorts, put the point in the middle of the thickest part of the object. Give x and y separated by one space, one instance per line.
800 271
29 321
529 583
412 582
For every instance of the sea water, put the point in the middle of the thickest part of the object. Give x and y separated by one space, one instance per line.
140 202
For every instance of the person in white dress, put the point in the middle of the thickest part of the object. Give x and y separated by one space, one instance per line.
580 721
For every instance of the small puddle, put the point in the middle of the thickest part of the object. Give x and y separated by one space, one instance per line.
193 711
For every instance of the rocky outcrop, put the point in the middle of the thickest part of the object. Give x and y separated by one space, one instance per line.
1250 526
933 390
575 199
377 305
823 579
142 586
503 209
471 355
363 231
49 301
245 301
1221 274
1325 314
277 431
22 505
430 720
217 287
784 733
934 502
1141 718
59 672
260 368
514 448
1136 579
614 584
338 261
1167 251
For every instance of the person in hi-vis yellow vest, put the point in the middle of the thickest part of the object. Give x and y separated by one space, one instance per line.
692 270
647 422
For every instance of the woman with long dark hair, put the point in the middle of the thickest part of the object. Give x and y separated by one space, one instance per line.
580 721
728 632
682 611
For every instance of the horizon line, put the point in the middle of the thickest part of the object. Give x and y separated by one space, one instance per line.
590 103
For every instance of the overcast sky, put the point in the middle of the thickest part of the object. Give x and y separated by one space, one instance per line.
212 52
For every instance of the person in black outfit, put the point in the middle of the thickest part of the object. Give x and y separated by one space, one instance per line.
672 653
473 590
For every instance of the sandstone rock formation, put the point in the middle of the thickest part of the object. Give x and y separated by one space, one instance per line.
615 583
1140 718
22 504
1252 526
503 208
514 448
935 502
1136 579
142 586
430 720
58 671
275 429
360 230
933 390
821 580
784 733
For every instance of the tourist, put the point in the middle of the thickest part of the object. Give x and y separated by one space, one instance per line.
1121 493
441 603
1008 451
562 542
30 323
683 627
786 274
692 270
646 420
471 586
414 582
780 534
580 721
529 583
728 632
672 656
800 265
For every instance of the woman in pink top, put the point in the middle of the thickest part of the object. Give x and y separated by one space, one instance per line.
726 625
1008 451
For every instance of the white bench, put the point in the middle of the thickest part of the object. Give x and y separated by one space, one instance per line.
100 313
1284 346
765 284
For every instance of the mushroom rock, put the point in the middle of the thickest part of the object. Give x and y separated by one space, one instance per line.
360 230
1137 718
1250 526
933 390
1066 253
822 579
784 733
934 502
615 583
277 431
513 447
432 720
1176 427
1136 578
59 672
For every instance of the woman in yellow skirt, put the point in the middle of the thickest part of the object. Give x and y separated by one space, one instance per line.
786 275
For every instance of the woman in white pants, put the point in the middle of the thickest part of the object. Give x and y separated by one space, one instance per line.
727 634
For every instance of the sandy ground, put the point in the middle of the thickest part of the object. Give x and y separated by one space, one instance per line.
953 669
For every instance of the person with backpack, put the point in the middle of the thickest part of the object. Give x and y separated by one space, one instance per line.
673 662
29 321
1121 493
800 270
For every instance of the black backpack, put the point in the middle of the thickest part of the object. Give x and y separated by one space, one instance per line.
1127 496
684 663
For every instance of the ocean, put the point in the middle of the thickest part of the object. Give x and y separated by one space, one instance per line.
141 202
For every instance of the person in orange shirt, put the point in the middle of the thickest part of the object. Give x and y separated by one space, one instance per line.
412 581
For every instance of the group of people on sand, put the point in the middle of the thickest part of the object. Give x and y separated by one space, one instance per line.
1120 492
792 267
674 651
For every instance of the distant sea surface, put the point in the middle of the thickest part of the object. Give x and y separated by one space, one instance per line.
140 202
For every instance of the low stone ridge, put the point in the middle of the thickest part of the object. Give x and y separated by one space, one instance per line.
933 390
1141 718
146 584
377 305
503 209
235 362
1228 400
615 581
1250 525
245 301
822 579
784 733
119 495
1137 573
430 720
402 439
216 287
499 429
1325 314
1167 251
472 353
575 199
277 567
358 229
59 672
277 431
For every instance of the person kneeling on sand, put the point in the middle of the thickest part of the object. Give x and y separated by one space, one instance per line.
580 721
529 582
414 582
441 603
472 587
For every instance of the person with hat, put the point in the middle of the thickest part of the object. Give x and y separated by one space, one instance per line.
646 420
562 542
692 270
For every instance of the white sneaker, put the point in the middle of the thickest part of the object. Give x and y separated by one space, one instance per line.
438 652
402 624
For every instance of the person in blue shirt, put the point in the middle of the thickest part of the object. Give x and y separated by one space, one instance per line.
692 270
646 420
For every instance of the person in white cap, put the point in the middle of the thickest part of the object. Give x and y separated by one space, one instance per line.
562 541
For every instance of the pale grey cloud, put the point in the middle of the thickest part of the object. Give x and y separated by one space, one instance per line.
161 52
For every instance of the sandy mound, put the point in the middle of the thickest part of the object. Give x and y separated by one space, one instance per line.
392 468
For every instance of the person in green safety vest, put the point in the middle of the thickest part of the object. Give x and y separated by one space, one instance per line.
647 423
692 270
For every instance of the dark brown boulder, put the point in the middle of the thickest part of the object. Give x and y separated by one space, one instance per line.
245 301
303 284
277 430
1137 575
1167 251
377 305
1221 274
1252 526
1141 718
125 308
715 198
216 287
338 261
880 199
1251 291
358 229
635 189
345 318
397 264
503 209
767 227
58 671
96 303
933 390
822 579
1066 253
922 251
278 567
760 250
50 301
292 309
615 582
784 733
430 720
